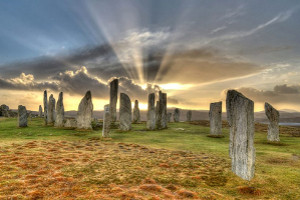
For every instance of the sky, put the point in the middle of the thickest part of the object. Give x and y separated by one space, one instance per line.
194 50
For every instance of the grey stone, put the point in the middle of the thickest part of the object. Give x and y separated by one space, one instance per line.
273 128
215 118
161 111
176 115
45 101
151 112
51 110
22 116
85 112
4 111
60 111
125 112
169 117
240 117
113 100
40 111
70 123
189 116
106 121
136 112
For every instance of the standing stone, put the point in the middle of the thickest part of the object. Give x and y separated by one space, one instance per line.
4 110
40 111
113 100
60 111
45 101
151 112
70 123
189 116
169 117
273 128
51 110
106 121
215 118
125 112
161 111
85 112
176 115
136 112
240 116
22 116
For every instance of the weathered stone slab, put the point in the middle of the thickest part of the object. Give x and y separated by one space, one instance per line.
125 112
169 117
113 100
273 128
60 111
176 115
45 101
4 110
161 111
151 112
240 116
22 116
85 112
106 121
189 116
70 123
215 118
136 112
51 110
40 111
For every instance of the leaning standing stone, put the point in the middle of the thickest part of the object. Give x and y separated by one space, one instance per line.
189 116
60 111
125 112
22 116
136 112
51 110
176 115
113 100
85 112
106 121
273 128
45 101
215 118
151 112
40 111
240 116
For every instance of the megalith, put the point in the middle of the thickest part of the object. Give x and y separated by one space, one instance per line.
169 117
106 121
176 115
22 116
45 101
113 100
85 112
125 112
60 111
51 110
40 111
189 116
151 112
136 112
215 118
273 128
240 117
161 111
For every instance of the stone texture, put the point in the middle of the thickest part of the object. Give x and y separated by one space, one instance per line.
51 110
106 121
215 118
151 112
240 116
113 100
136 112
40 111
176 115
125 112
85 112
189 116
22 116
4 110
161 111
45 101
273 128
60 111
70 123
169 117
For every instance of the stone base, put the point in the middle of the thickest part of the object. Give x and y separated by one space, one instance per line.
215 136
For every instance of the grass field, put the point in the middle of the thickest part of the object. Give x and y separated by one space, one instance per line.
180 162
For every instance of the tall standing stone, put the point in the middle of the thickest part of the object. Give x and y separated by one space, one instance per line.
151 112
51 110
60 111
161 111
273 128
45 101
240 116
22 116
169 117
215 118
106 121
85 112
113 100
189 116
40 111
176 115
125 112
136 112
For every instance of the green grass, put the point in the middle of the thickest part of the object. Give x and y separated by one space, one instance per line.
277 166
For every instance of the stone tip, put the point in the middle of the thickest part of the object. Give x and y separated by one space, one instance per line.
88 94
